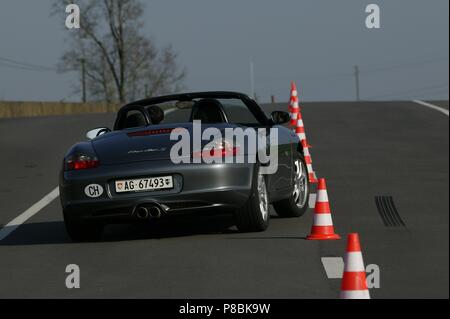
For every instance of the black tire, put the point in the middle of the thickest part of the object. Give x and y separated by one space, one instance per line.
82 231
250 217
288 207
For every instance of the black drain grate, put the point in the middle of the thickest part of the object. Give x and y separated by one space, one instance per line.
388 211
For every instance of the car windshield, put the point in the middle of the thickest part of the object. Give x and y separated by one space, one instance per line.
206 110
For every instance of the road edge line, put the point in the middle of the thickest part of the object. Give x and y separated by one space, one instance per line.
30 212
431 106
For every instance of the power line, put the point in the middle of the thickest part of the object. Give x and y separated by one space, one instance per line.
26 64
431 95
17 67
14 64
363 70
385 68
415 92
423 96
409 92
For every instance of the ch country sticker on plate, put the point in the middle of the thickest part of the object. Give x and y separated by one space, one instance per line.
144 184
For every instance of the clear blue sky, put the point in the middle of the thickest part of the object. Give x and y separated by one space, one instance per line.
314 42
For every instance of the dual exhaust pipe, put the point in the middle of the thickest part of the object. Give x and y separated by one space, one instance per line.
148 212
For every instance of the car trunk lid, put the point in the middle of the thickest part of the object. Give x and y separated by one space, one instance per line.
149 143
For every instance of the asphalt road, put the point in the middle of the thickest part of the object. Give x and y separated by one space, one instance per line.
397 149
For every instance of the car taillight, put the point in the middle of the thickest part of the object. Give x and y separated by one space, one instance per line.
217 149
80 161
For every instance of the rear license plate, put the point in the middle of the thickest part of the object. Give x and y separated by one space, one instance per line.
144 184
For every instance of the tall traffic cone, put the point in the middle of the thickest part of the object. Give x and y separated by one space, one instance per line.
291 96
308 160
294 104
354 284
322 228
300 128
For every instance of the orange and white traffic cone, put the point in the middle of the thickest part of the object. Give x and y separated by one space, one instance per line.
291 98
300 129
308 160
322 228
294 104
354 284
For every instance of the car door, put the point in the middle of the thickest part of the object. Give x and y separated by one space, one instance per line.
282 178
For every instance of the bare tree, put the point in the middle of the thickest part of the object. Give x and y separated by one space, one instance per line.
121 64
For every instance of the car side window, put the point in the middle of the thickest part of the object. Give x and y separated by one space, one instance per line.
238 113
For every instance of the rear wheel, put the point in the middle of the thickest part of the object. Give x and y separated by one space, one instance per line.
82 231
254 216
297 204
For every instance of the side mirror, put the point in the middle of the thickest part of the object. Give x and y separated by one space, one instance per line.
97 132
280 117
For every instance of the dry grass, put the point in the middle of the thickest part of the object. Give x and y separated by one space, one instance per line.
30 109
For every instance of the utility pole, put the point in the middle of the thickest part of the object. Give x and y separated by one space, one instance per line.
83 79
252 80
357 82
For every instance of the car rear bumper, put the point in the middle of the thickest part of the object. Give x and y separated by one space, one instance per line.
198 188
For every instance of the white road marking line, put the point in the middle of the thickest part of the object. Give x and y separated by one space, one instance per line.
30 212
431 106
312 200
334 267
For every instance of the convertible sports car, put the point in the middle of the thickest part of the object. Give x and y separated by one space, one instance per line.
127 174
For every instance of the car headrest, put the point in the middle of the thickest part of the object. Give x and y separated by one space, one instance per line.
135 120
208 111
156 114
